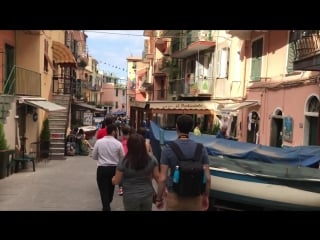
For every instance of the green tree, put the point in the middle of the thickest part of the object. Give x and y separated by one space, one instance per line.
45 132
3 140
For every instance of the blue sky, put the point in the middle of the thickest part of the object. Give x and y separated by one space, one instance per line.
112 48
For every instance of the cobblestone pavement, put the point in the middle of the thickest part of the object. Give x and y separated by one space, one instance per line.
56 185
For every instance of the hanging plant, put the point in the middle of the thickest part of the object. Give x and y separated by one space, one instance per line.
82 61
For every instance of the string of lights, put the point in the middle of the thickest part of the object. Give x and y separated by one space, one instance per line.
113 66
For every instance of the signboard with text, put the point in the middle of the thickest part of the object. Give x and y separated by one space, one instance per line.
87 118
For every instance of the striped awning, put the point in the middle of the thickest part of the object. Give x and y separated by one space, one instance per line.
62 55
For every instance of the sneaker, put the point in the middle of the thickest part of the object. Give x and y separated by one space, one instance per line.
120 192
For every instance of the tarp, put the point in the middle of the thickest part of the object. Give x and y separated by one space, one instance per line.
308 156
119 112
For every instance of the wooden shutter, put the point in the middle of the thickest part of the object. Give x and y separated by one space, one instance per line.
223 63
256 60
291 57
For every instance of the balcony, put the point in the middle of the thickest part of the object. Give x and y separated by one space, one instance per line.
243 34
193 42
22 81
162 44
94 88
307 51
170 33
33 32
158 68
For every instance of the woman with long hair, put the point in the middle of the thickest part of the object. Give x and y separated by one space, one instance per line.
136 171
143 131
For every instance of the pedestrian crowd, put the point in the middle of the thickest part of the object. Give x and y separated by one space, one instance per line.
124 157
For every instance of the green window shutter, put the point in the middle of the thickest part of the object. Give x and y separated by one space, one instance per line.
291 56
256 60
256 69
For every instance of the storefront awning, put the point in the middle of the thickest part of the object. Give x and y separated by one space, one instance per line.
89 107
62 55
231 107
42 103
193 49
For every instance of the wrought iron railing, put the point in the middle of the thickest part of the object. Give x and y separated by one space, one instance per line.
307 43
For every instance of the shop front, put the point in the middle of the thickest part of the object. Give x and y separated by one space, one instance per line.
165 113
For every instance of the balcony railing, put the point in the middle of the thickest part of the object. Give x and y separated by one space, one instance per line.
66 84
198 35
307 45
22 81
94 88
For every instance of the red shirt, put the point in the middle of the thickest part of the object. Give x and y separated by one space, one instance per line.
101 133
124 145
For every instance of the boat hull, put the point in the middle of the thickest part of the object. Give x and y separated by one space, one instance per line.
260 191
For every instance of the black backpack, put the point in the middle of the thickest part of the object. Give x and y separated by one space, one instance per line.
191 172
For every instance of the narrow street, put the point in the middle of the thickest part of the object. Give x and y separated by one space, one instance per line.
56 185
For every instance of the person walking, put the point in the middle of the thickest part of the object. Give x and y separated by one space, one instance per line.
223 132
124 141
107 151
169 160
136 170
196 130
103 130
143 132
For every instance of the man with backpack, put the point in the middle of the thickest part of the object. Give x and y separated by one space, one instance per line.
189 179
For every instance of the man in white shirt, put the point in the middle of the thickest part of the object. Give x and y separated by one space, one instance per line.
107 151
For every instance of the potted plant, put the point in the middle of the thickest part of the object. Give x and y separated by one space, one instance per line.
45 139
4 153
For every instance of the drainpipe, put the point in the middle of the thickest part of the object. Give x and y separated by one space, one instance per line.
215 63
245 70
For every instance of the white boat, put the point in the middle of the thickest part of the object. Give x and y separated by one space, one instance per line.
265 185
90 131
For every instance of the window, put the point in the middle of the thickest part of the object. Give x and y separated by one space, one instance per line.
45 59
116 105
256 59
291 53
116 92
313 105
123 92
223 63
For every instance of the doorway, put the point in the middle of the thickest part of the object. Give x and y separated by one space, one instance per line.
276 139
253 127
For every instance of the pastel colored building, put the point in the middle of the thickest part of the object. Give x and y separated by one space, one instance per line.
288 97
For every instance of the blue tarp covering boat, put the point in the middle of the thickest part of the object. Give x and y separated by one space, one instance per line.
308 156
253 174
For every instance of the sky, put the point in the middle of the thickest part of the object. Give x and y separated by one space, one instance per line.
111 48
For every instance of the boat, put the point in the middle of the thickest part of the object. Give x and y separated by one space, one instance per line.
265 185
90 131
245 173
